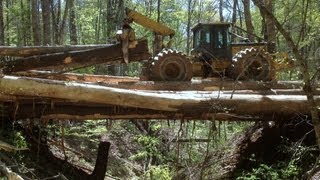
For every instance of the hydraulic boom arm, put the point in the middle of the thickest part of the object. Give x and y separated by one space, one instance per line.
148 23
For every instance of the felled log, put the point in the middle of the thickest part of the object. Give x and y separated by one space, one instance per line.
76 111
186 102
87 78
65 61
26 51
125 82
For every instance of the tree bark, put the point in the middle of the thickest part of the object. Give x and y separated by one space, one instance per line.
100 167
190 12
2 39
72 22
55 16
63 23
76 59
268 26
248 19
187 102
45 4
26 51
221 4
125 82
35 23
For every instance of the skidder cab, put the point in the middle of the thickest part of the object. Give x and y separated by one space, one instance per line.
211 49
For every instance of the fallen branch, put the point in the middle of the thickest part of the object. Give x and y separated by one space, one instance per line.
7 147
8 173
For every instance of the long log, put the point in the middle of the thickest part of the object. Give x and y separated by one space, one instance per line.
76 111
76 59
134 83
26 51
87 78
186 102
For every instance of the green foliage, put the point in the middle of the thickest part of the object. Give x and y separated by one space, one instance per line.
87 129
272 172
134 69
297 159
262 172
19 140
158 173
150 147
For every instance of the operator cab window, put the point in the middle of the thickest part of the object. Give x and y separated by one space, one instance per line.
219 42
202 37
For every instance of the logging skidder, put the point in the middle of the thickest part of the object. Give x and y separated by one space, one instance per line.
213 53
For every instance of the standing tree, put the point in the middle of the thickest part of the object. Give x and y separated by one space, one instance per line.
190 13
2 40
56 18
221 3
45 6
72 22
35 22
248 20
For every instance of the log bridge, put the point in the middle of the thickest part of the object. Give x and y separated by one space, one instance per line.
29 90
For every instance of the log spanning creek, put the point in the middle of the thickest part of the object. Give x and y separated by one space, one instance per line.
46 95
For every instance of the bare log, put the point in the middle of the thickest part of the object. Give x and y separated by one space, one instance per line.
76 59
96 112
124 82
87 78
26 51
189 103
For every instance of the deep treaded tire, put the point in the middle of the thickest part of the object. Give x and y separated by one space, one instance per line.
253 64
170 65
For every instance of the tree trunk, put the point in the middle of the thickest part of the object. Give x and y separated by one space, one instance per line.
7 20
63 23
72 22
221 4
55 15
41 50
206 85
45 4
269 26
234 12
192 103
248 20
65 61
100 167
35 22
2 40
189 26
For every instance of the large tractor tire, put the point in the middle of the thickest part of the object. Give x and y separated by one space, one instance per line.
170 65
253 64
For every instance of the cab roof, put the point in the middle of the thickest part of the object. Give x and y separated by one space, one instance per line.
215 24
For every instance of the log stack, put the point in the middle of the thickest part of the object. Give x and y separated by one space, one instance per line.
51 95
29 97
